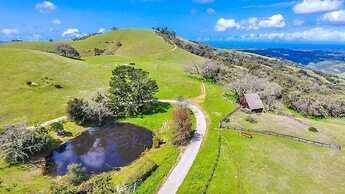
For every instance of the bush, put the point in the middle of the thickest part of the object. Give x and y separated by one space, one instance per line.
66 50
78 110
76 174
156 141
29 83
251 119
57 127
56 188
183 131
19 143
313 129
102 184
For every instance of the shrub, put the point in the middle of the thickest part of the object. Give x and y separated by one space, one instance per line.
313 129
98 51
156 141
251 119
78 110
57 127
66 50
76 174
29 83
19 143
102 184
183 131
56 188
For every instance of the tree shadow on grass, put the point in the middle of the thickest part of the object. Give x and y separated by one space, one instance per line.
160 107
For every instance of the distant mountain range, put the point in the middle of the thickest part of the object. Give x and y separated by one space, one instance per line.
326 60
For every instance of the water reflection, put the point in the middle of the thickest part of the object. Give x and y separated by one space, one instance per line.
101 149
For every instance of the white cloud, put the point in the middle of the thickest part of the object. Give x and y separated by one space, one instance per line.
316 6
316 34
71 33
193 11
297 22
275 21
210 11
10 31
56 22
203 1
35 37
224 24
101 30
334 16
251 23
254 23
45 7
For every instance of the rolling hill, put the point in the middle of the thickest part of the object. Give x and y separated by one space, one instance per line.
27 61
134 43
227 162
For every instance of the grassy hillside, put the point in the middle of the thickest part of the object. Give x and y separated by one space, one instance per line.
83 78
134 43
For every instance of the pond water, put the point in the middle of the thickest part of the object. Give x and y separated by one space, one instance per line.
101 149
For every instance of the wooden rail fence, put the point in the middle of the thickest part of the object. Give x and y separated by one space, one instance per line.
308 141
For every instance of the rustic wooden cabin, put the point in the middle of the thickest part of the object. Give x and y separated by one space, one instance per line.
252 102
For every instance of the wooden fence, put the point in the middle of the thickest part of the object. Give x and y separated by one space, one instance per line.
308 141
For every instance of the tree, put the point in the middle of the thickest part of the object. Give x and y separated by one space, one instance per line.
131 91
76 174
114 28
78 110
183 131
19 143
99 108
66 50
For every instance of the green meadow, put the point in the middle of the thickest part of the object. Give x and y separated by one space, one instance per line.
263 164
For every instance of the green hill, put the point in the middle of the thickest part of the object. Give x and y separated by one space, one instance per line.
83 78
134 43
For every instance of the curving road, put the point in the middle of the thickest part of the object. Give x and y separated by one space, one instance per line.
178 174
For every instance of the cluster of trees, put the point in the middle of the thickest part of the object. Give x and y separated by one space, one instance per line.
131 92
183 131
19 143
273 79
80 110
317 105
166 32
66 50
86 36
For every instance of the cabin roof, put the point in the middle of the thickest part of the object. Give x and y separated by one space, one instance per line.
254 101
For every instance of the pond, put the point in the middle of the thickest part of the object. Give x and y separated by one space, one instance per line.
101 149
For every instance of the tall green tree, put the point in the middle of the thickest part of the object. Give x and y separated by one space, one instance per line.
131 91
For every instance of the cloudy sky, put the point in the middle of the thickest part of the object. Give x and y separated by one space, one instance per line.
300 21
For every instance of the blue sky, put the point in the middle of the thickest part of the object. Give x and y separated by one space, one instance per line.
301 21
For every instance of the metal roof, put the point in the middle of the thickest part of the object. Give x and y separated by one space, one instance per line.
254 101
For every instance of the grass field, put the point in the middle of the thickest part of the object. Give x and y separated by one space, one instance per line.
330 130
263 164
78 79
268 164
216 108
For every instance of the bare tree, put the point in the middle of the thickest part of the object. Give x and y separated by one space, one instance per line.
99 108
